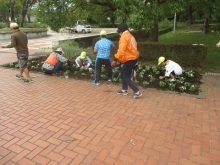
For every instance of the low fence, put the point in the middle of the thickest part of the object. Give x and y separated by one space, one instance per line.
6 35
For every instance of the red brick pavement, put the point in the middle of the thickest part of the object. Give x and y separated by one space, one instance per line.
67 121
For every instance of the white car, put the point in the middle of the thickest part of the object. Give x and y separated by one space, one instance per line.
82 27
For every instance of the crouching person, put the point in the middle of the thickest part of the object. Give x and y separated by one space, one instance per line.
83 61
172 68
54 62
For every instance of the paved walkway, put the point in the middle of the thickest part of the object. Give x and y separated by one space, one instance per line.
67 121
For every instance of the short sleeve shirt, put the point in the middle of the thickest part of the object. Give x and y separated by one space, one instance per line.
104 48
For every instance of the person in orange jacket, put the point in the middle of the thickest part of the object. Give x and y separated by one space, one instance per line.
127 54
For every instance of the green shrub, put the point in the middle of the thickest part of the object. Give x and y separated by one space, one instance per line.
71 49
165 24
35 25
217 28
187 55
2 25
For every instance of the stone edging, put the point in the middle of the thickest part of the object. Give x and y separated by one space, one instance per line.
30 33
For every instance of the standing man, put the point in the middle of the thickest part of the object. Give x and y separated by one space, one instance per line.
103 49
20 42
127 54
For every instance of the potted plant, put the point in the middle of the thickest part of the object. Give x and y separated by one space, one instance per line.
66 74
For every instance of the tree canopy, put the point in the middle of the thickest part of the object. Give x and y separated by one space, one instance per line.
137 13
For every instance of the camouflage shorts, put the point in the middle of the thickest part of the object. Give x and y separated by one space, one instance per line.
22 60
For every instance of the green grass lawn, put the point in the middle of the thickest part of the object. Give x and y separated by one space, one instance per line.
183 35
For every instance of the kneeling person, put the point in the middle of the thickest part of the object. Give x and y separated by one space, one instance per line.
83 61
172 68
54 62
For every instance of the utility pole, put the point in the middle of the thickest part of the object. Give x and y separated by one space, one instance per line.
174 23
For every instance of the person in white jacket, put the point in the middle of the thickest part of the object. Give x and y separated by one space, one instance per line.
83 61
172 68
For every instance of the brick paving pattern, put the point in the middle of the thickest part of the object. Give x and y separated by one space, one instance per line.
68 121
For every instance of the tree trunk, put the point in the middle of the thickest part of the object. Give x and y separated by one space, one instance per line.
24 12
154 31
12 13
190 15
206 26
112 19
29 16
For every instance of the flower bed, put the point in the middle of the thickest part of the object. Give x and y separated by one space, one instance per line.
147 76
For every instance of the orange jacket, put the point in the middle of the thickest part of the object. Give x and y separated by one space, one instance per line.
127 48
52 59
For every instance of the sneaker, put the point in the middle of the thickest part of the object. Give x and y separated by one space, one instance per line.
96 83
19 76
172 79
28 80
136 95
122 92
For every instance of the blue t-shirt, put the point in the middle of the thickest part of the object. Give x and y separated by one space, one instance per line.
103 47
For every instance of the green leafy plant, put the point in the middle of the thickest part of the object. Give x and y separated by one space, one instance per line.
162 84
182 88
103 70
12 64
136 81
115 79
67 73
145 84
147 68
190 74
192 88
157 72
103 76
91 70
140 77
75 73
154 69
179 81
139 68
16 66
187 84
152 79
70 48
167 80
38 65
172 86
182 79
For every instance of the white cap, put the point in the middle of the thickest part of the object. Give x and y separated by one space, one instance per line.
13 25
60 50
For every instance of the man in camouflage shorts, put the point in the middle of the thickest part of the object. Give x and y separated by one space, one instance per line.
19 41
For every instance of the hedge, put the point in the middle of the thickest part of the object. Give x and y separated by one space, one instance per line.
188 56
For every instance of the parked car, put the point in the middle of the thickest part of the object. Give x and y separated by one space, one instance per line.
81 26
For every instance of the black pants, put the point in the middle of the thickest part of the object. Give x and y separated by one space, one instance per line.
126 73
98 66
